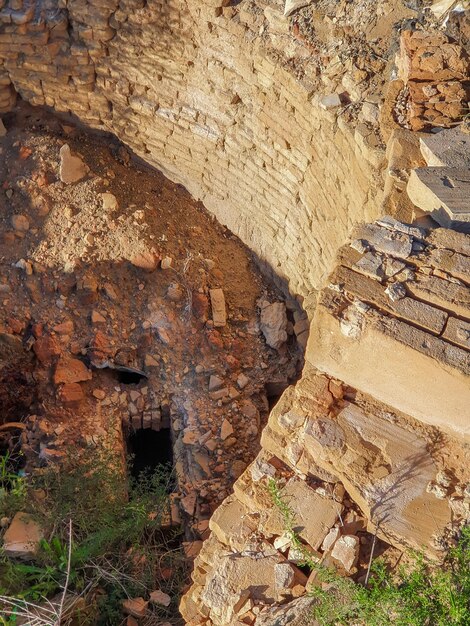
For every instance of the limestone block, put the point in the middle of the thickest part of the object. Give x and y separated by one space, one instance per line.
448 148
450 296
438 393
450 239
21 539
233 523
378 470
237 578
314 514
386 241
451 262
406 308
458 331
443 192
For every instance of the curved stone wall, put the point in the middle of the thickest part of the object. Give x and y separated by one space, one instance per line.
193 91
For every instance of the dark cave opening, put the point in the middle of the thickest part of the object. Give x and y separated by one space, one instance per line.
150 450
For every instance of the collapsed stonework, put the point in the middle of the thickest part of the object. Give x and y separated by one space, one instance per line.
373 440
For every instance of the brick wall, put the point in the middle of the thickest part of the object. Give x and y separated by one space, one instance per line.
191 89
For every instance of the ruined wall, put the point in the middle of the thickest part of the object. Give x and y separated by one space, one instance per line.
189 87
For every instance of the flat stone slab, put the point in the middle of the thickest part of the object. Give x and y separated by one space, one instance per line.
448 148
21 540
444 192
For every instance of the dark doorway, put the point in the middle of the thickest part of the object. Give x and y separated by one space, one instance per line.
150 449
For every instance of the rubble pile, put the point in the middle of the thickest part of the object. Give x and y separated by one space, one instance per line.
170 338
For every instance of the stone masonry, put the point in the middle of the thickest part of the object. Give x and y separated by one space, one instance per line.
248 139
387 362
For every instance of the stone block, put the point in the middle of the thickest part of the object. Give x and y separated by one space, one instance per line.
443 192
378 470
313 513
219 312
452 297
21 539
238 577
448 148
458 331
373 293
233 523
378 361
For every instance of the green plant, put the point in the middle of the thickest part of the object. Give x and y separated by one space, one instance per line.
104 531
419 594
12 487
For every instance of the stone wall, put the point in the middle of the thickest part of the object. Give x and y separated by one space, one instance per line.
190 88
372 438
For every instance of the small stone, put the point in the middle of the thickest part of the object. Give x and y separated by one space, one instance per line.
89 239
110 291
20 223
273 323
71 393
396 291
219 312
284 575
242 381
166 263
150 361
137 607
219 394
99 394
370 112
26 266
3 130
175 292
145 260
332 101
346 551
46 348
226 429
109 201
71 371
97 318
159 597
215 383
66 328
72 168
330 539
